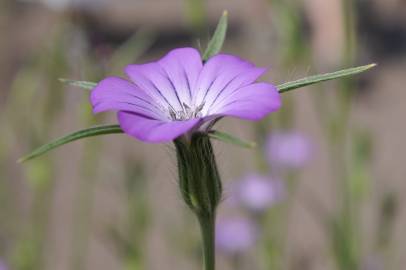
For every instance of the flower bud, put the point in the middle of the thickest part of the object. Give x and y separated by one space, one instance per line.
199 179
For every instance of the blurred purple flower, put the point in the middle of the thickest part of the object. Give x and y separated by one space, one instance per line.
257 193
3 265
179 94
236 235
288 150
373 263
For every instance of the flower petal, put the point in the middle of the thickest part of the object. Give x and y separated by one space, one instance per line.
183 67
152 130
221 75
171 80
152 80
117 94
251 102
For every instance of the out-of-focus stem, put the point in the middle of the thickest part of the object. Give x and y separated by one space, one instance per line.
84 206
207 228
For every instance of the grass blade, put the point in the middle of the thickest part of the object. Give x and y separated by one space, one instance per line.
82 84
218 38
322 77
227 138
84 133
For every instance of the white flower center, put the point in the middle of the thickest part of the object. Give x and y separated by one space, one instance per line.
187 112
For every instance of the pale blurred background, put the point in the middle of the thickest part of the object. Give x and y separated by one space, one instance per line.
113 202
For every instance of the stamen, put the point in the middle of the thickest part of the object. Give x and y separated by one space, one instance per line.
186 113
172 113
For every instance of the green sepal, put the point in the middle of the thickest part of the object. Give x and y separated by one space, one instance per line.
214 47
84 133
82 84
322 77
216 42
227 138
199 179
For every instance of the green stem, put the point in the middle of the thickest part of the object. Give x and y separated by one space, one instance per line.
207 227
200 185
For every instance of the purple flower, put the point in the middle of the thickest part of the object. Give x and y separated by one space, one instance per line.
257 193
236 235
3 266
288 150
373 263
179 95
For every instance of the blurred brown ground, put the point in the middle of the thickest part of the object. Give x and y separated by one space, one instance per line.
380 108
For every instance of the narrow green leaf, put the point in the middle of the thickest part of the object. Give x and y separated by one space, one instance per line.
218 38
81 84
322 77
84 133
227 138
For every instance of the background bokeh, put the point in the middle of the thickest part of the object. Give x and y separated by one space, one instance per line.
113 202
